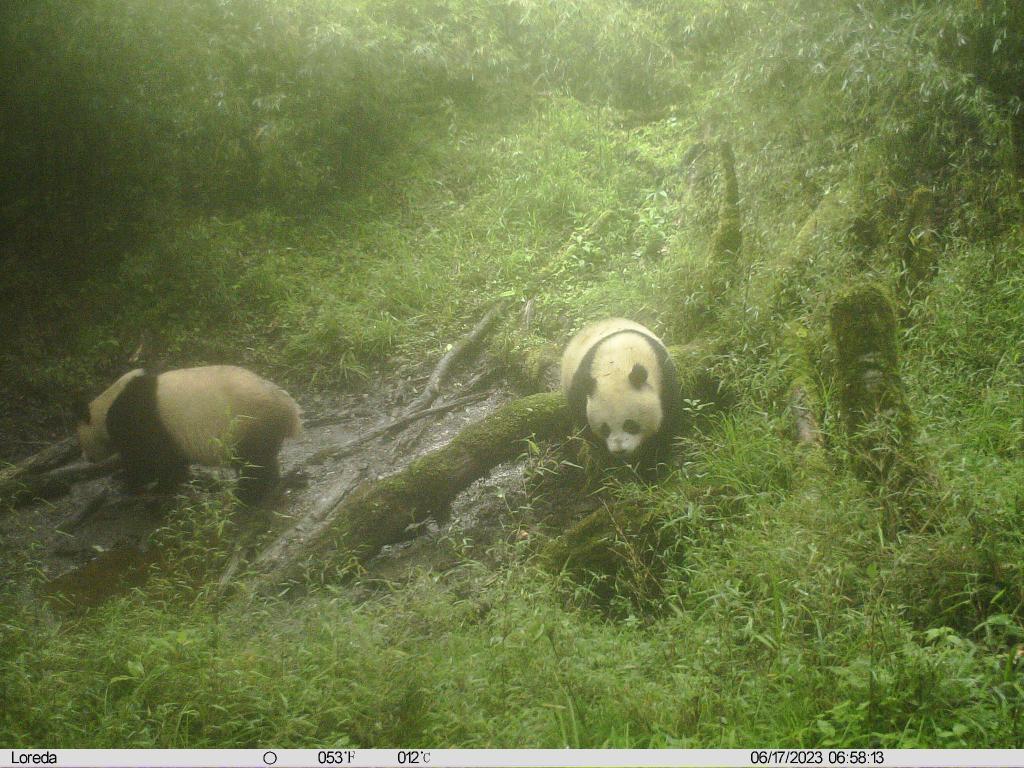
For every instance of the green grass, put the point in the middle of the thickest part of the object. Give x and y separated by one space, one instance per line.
744 659
539 158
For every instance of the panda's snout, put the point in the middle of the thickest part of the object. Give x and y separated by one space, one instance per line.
621 450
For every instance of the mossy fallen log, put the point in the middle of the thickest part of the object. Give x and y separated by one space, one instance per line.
380 512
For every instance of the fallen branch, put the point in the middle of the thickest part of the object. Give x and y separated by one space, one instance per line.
451 357
56 482
49 457
25 480
339 451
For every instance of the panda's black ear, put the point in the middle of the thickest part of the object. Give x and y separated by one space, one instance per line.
80 411
638 376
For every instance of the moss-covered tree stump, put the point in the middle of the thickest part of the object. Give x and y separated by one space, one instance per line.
875 413
863 325
605 548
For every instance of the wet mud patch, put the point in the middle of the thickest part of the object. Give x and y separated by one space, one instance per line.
95 542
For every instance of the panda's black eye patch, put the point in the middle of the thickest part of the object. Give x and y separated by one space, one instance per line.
631 427
605 430
638 376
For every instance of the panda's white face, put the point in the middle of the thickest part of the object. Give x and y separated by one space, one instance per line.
624 404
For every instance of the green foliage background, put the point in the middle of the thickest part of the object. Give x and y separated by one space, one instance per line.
329 189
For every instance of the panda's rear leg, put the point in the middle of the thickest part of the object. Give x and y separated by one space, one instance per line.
256 458
257 476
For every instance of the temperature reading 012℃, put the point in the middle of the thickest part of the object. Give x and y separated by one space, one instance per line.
414 757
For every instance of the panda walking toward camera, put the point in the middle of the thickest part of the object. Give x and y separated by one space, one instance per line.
621 383
212 415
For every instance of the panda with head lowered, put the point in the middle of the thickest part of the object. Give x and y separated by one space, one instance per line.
212 415
621 383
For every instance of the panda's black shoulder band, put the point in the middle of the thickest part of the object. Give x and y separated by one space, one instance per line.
80 410
655 343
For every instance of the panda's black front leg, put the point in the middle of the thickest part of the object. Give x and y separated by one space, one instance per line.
171 475
147 450
138 473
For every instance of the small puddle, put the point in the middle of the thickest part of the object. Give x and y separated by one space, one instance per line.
109 574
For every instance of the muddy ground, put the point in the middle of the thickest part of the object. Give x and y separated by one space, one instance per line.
95 541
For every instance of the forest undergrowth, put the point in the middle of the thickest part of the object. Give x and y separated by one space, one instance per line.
331 191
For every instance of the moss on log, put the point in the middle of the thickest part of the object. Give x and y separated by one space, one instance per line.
378 513
605 545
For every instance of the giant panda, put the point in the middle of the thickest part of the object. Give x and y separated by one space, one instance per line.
212 415
621 383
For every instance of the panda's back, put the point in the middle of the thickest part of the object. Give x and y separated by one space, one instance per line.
587 338
210 410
